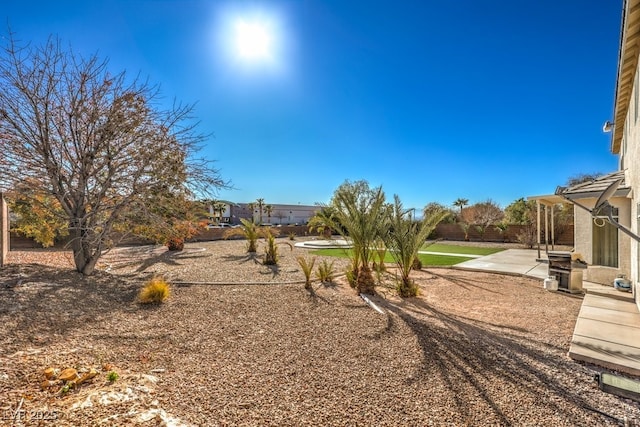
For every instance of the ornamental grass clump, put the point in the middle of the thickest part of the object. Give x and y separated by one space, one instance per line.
155 291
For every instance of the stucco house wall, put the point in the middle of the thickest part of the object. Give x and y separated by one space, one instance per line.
629 160
583 229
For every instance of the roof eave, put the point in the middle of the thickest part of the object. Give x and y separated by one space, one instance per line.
627 65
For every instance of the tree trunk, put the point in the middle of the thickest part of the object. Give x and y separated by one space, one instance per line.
365 282
84 255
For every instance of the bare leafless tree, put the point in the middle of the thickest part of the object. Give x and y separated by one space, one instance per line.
97 142
485 214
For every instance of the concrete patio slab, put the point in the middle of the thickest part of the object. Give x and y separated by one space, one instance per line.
510 261
607 333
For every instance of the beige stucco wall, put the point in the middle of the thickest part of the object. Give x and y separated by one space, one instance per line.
630 162
584 241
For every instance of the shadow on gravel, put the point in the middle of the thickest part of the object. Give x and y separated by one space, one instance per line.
39 302
168 258
473 359
464 283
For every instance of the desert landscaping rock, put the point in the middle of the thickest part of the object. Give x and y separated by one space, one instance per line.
473 349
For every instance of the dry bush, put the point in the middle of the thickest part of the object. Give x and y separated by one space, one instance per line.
155 291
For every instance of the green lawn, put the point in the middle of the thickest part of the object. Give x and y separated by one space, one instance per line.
427 259
455 249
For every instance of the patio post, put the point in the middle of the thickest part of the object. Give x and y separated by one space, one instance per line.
538 225
546 228
553 233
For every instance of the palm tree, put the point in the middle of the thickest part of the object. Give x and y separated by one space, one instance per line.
361 216
260 205
322 221
268 209
251 207
404 240
461 203
219 207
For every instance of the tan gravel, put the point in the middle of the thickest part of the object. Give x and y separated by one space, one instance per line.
474 349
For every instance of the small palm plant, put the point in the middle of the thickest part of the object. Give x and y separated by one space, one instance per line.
271 249
307 268
249 230
404 240
325 271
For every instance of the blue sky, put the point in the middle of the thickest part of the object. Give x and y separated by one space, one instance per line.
433 100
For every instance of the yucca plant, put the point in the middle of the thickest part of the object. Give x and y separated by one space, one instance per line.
325 271
306 265
156 291
404 240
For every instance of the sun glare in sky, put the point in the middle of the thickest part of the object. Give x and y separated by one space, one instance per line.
253 40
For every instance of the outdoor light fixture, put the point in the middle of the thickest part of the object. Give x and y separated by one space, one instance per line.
607 126
618 385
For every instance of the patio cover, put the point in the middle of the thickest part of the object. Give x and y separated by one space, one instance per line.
585 190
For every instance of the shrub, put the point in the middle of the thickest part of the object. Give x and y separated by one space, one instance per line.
325 271
307 268
292 235
175 244
527 237
416 264
155 291
112 376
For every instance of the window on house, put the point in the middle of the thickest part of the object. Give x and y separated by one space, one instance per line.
605 241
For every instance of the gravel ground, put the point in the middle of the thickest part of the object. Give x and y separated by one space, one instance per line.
473 349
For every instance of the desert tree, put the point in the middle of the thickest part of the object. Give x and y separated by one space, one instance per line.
98 143
523 212
485 214
582 178
405 238
436 208
38 215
